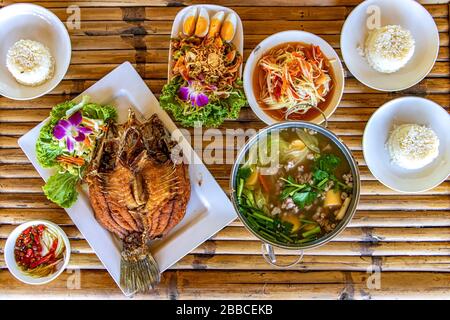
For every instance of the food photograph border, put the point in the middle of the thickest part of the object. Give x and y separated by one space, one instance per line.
283 150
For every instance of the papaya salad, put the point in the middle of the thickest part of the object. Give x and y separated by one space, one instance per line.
292 81
66 143
205 87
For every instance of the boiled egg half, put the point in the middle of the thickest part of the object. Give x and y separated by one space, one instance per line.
216 23
202 26
228 29
189 21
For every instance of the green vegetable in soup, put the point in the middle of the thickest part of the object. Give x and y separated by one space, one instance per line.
273 229
305 197
287 205
324 168
311 232
242 174
291 188
290 153
327 163
309 140
260 200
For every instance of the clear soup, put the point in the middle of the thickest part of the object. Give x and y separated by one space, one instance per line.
294 186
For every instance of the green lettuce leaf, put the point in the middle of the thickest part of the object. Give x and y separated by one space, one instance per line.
47 148
61 188
96 111
211 115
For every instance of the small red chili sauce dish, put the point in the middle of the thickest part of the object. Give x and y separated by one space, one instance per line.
37 252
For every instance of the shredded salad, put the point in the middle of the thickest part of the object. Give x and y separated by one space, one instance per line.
206 87
294 79
39 250
66 143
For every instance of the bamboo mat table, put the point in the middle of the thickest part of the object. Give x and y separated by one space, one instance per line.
406 236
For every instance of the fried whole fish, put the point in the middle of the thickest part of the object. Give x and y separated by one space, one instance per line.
138 193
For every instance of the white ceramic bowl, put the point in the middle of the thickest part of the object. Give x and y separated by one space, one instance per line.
28 21
402 111
410 15
292 36
11 261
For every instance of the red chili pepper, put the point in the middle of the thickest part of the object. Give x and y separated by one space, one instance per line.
44 259
26 240
36 237
277 92
54 245
28 251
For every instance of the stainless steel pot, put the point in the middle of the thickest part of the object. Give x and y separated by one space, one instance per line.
268 246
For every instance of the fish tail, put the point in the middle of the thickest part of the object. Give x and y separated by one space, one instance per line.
139 271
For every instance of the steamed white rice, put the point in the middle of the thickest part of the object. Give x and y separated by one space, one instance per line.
389 48
30 62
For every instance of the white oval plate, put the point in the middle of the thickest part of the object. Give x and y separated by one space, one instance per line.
292 36
410 15
401 111
29 21
238 39
11 260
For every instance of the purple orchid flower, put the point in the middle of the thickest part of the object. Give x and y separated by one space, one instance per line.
71 130
191 93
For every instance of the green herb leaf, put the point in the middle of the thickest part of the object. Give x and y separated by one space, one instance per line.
323 170
319 175
244 172
304 198
327 163
290 188
286 193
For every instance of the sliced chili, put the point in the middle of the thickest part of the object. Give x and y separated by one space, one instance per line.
28 249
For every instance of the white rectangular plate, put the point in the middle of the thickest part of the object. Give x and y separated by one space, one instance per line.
208 211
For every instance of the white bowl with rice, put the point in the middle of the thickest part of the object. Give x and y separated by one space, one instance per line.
35 52
406 144
390 45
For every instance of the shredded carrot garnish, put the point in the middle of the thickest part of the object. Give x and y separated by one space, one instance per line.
87 142
70 160
89 122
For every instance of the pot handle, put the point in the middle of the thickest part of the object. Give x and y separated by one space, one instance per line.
270 257
325 123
